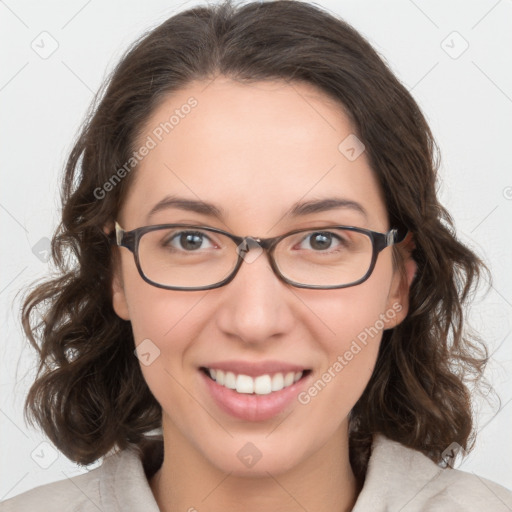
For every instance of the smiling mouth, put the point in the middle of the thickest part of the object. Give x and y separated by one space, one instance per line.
264 384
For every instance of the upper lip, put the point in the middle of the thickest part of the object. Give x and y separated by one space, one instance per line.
253 369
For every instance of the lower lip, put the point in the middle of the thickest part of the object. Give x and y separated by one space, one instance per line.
252 407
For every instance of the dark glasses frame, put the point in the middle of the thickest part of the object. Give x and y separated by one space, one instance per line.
131 239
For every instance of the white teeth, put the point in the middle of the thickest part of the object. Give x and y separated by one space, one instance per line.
244 384
219 377
230 380
288 379
261 385
277 382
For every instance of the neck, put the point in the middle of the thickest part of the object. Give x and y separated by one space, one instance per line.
324 481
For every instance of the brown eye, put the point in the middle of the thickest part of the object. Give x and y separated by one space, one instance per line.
188 241
320 241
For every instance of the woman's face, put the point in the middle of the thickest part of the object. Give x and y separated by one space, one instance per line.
254 152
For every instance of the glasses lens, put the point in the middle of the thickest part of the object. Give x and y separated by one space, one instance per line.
186 257
330 257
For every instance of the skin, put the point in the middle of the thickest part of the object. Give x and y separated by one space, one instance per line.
254 151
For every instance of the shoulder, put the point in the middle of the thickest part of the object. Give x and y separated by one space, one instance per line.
76 493
400 478
118 484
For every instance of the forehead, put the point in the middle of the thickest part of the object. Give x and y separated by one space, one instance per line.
252 149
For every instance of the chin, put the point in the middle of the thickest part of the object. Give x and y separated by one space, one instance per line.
257 458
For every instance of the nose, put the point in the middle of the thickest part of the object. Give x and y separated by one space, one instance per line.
256 305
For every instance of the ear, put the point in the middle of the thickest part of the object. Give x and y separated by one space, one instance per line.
397 305
119 302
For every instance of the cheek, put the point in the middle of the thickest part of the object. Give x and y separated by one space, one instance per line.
164 325
354 313
349 335
154 312
157 313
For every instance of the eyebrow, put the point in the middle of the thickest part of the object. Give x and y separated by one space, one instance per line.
297 210
190 205
323 205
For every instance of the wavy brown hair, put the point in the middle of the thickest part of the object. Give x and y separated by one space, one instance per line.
90 396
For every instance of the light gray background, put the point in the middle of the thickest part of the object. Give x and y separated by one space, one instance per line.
466 96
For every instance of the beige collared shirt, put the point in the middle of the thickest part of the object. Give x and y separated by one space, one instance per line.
398 479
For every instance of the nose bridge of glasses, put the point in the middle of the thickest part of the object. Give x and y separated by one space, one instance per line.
249 246
254 244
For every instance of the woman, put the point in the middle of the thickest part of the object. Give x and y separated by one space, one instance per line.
263 270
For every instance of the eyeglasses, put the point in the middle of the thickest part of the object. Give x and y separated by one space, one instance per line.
188 257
